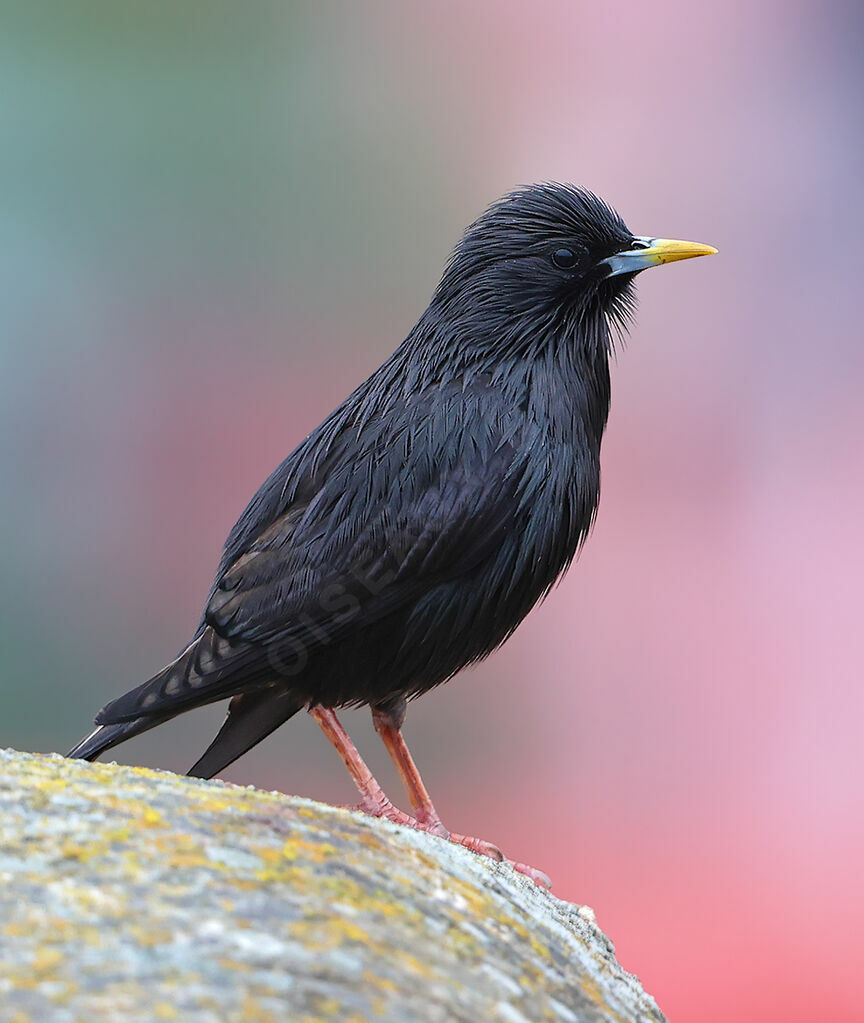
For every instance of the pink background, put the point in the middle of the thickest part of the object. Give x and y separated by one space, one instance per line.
217 219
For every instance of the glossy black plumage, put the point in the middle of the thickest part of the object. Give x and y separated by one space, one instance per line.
410 533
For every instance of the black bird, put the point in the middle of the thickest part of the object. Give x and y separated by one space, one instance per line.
412 531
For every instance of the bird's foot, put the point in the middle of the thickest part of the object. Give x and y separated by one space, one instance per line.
477 845
380 806
539 877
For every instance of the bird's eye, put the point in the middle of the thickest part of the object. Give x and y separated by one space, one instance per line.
564 259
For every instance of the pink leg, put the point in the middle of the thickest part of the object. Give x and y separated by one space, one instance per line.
427 816
372 798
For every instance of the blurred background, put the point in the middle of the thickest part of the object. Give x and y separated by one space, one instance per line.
216 219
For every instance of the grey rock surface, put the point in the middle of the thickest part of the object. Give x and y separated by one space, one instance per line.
135 895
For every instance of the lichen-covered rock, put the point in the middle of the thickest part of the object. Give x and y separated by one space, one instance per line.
135 895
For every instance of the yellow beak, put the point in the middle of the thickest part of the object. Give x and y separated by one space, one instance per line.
648 252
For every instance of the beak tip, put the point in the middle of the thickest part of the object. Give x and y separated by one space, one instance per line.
667 250
655 252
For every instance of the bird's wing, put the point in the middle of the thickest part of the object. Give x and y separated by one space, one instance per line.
368 514
374 528
318 571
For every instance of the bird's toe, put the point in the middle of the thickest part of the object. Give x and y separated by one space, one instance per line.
483 848
477 845
537 876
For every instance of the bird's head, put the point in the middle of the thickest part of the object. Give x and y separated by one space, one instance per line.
548 259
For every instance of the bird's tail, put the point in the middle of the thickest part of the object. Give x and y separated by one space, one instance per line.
103 737
251 718
209 669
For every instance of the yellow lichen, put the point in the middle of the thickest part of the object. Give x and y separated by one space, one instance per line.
159 868
164 1010
45 962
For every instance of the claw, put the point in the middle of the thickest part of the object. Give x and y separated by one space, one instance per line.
477 845
382 807
537 876
482 848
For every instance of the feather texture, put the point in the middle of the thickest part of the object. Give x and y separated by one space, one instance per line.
410 533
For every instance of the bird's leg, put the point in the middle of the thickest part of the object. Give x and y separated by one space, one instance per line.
372 798
388 724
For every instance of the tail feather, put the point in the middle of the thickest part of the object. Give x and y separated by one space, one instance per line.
104 737
251 718
209 669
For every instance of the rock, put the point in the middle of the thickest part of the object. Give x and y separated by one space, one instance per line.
136 895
